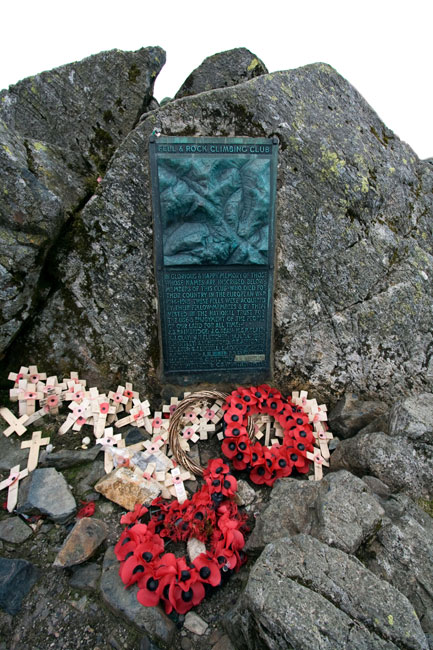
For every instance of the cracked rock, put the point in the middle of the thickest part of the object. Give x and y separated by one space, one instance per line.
331 601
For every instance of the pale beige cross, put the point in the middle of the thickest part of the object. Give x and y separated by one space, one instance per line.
108 441
34 445
16 425
11 482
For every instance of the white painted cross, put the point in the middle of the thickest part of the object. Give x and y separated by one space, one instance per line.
26 394
318 461
108 441
176 481
15 425
78 417
34 444
11 482
137 415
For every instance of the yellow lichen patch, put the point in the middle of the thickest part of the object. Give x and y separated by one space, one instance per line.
364 184
8 151
391 619
40 146
334 164
274 98
392 169
254 63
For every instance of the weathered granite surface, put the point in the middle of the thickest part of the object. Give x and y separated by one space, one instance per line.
58 131
354 246
221 70
303 594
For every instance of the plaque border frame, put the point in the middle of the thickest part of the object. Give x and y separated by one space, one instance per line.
250 374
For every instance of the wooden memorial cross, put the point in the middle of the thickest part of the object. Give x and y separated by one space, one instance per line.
75 392
108 441
77 418
189 433
34 444
35 377
101 409
175 483
52 391
318 461
26 396
131 395
73 378
119 398
17 376
137 415
11 482
153 449
16 425
170 408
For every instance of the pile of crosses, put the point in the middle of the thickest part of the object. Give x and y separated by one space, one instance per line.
150 459
38 396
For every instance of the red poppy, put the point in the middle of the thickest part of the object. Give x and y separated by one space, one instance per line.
87 510
233 417
104 407
53 401
117 397
149 588
131 517
128 393
208 569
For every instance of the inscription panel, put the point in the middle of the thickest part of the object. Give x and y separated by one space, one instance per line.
214 203
216 319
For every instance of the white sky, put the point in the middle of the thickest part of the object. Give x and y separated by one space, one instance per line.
383 47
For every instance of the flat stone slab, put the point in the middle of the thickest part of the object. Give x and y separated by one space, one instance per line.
68 457
46 492
14 530
124 603
82 542
126 488
17 577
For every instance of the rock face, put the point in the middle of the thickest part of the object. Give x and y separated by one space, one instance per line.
394 460
340 511
46 492
303 594
58 131
354 247
402 554
221 70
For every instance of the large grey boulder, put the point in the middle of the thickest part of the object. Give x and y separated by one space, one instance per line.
340 511
350 415
220 70
303 594
354 246
413 418
402 554
58 131
401 464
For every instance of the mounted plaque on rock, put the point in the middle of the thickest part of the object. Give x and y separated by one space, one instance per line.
214 215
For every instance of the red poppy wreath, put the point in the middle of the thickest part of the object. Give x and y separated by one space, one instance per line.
266 464
210 516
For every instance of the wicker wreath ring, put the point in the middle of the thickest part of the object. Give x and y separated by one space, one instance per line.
189 402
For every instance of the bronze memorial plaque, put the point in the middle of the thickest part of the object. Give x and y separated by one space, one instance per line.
214 216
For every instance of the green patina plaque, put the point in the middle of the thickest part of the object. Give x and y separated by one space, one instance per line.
214 215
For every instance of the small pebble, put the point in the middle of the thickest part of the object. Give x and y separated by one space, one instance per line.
86 441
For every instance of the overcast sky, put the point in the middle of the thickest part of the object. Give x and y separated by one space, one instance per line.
383 47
